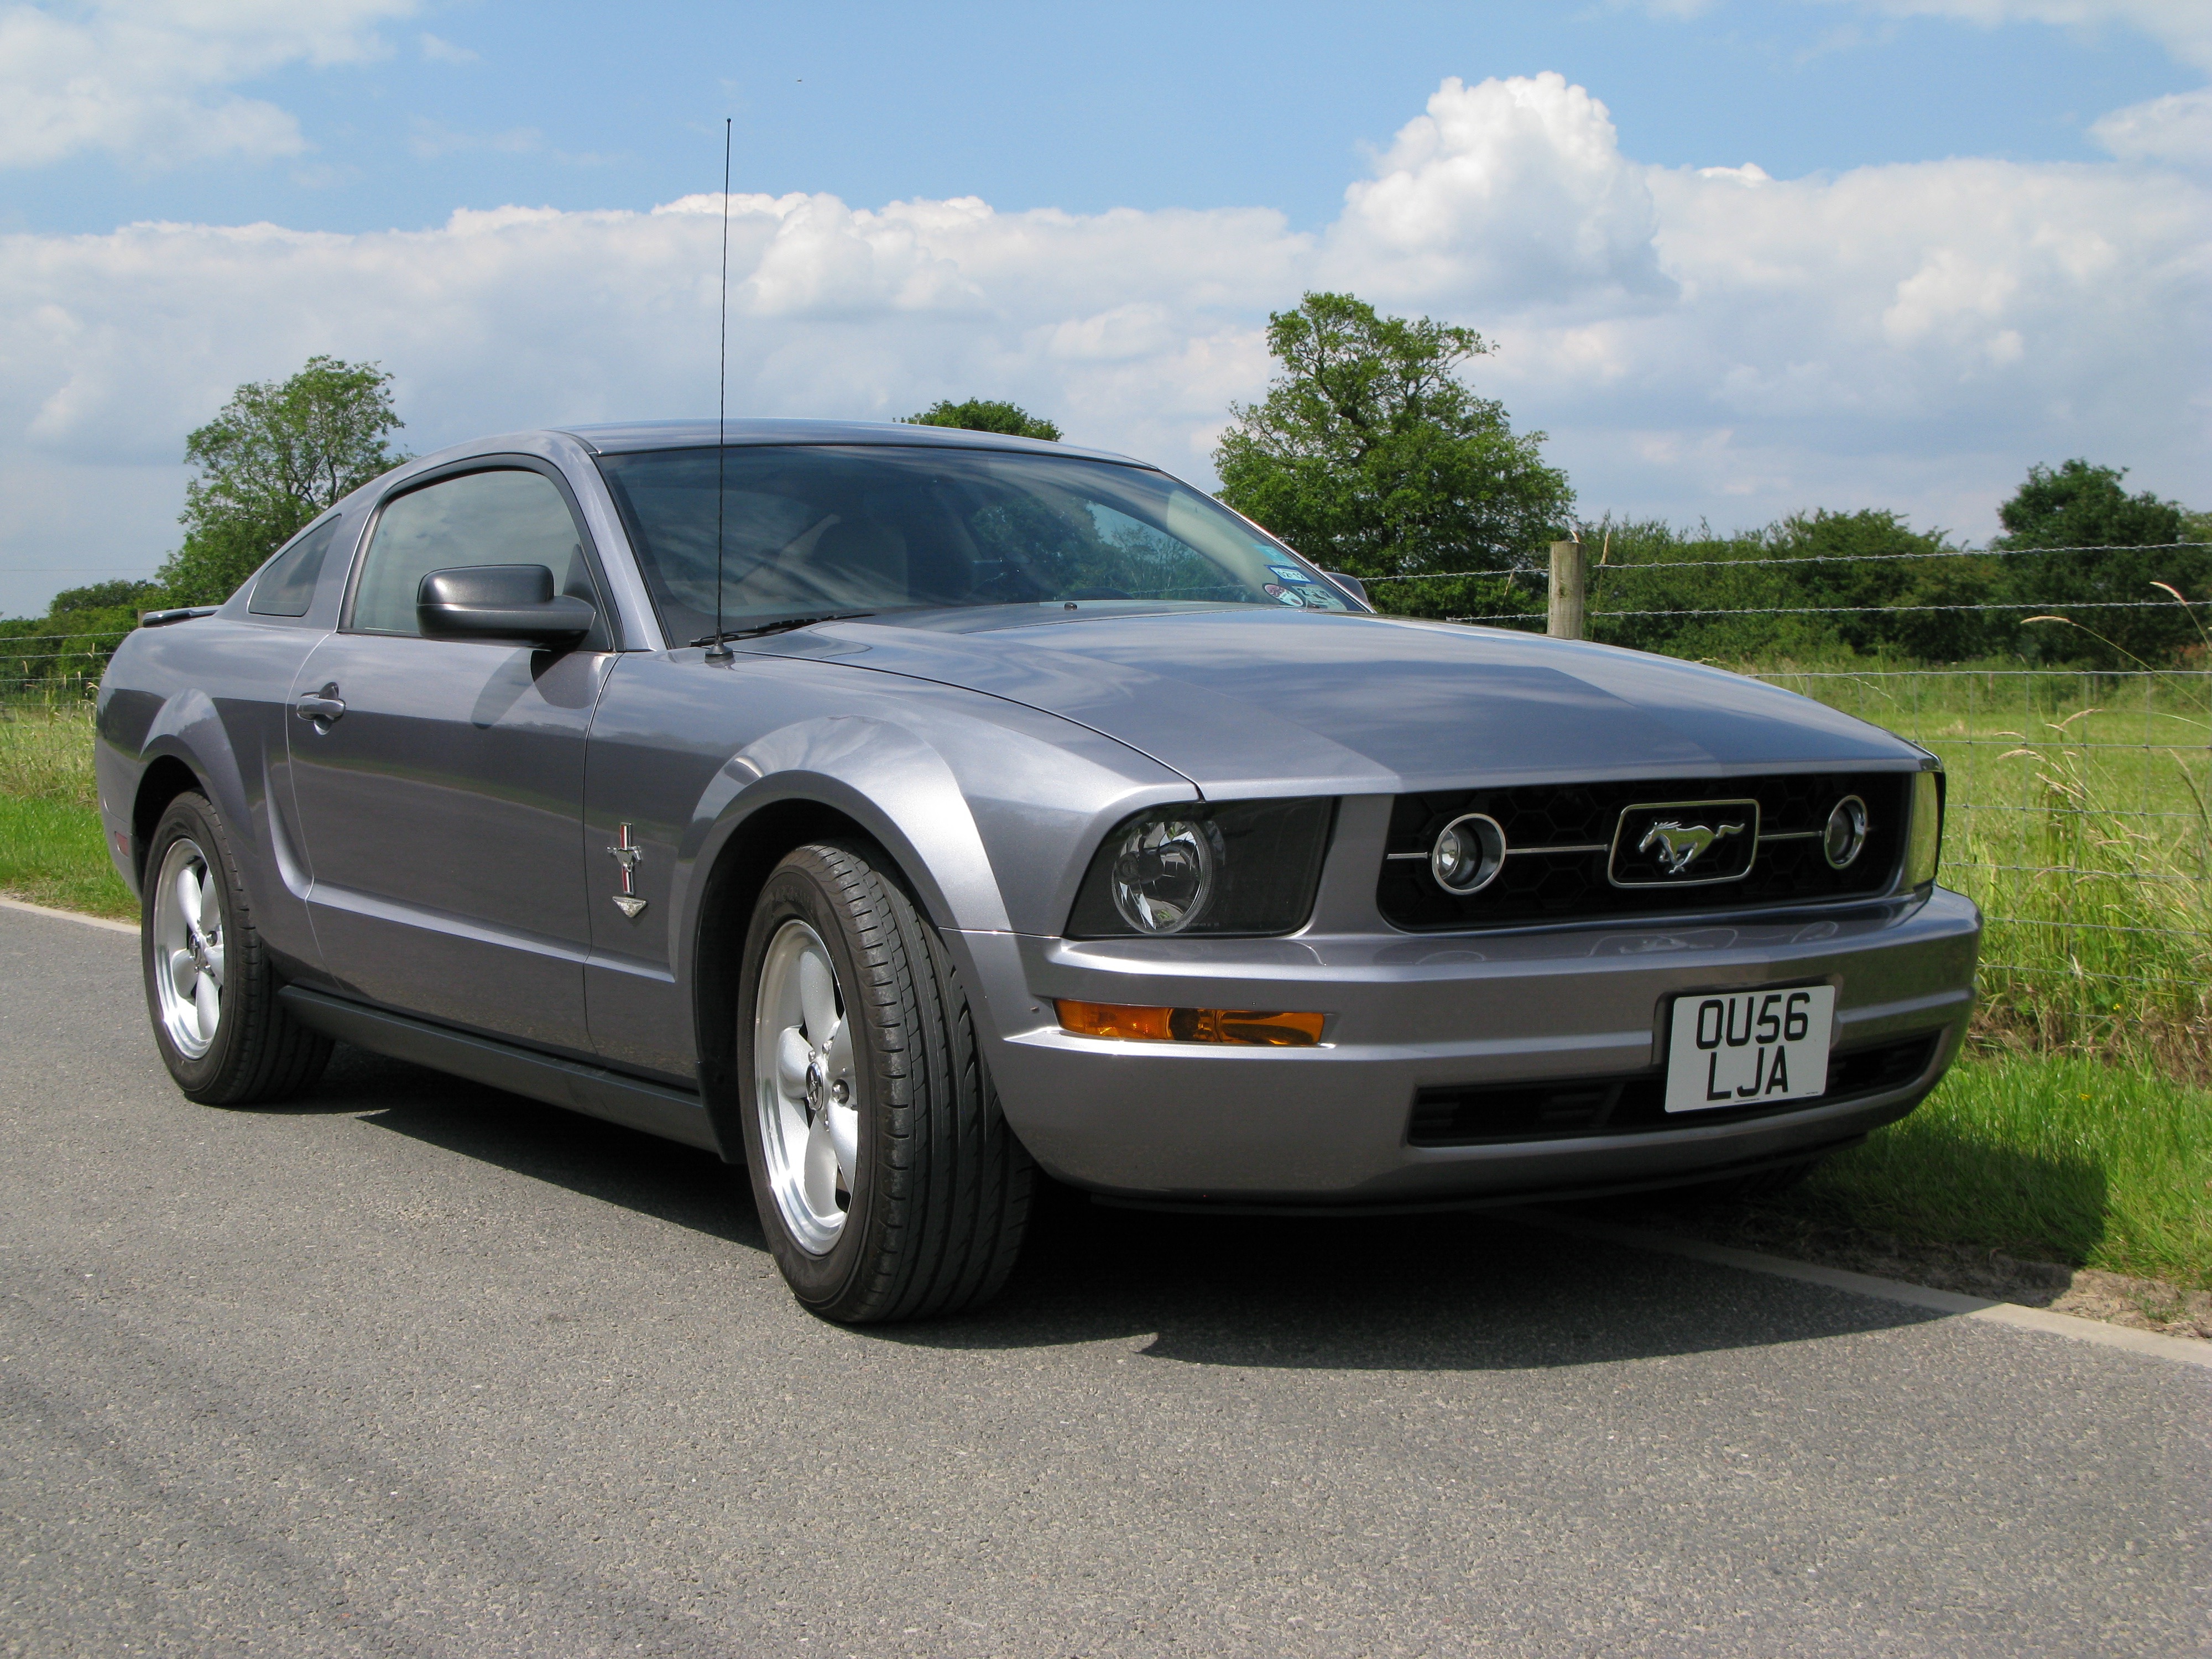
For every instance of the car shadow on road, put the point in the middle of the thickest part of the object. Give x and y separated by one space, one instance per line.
680 1185
1451 1291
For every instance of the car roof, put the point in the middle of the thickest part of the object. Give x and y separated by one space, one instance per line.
624 436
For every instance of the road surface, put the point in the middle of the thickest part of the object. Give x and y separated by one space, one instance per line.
413 1368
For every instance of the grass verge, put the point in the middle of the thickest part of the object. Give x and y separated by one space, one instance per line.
2052 1158
50 849
52 853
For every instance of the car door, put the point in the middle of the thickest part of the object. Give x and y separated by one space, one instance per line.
439 782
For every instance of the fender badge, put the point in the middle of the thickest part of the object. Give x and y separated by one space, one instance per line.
628 856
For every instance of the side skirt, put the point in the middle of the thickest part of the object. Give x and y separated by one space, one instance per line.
672 1113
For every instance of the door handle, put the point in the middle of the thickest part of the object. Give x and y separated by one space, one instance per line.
321 708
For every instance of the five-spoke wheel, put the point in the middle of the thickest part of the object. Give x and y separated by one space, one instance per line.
188 939
886 1180
210 984
804 1087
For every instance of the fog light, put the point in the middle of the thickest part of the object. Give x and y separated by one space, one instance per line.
1250 1027
1468 853
1845 838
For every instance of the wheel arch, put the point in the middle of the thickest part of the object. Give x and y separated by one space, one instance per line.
836 779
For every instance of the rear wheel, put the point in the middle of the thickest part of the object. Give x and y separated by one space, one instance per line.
222 1033
888 1183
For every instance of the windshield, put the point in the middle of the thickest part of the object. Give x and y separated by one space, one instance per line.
814 531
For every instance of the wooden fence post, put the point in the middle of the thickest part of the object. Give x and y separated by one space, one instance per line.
1568 612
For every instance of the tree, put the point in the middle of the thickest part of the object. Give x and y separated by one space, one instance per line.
1371 455
2075 506
986 415
273 458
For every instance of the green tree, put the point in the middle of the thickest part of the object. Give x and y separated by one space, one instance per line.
2077 506
273 456
986 415
1370 454
1812 587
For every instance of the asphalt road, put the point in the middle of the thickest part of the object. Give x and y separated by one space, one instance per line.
413 1368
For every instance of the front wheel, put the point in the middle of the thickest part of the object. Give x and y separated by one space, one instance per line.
887 1181
209 987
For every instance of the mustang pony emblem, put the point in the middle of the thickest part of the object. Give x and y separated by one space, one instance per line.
629 857
1680 845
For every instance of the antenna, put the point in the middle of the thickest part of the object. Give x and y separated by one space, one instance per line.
720 650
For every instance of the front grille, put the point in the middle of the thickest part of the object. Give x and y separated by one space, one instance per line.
1536 885
1478 1114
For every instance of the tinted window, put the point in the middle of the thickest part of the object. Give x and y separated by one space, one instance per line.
825 528
287 588
479 518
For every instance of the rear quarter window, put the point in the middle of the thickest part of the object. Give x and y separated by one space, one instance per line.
287 587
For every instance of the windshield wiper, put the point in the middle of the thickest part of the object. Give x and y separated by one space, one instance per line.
780 625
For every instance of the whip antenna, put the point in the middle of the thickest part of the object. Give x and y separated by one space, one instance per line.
720 650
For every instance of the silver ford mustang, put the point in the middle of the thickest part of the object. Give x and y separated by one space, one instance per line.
900 811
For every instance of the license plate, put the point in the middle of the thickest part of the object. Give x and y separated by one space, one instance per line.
1749 1048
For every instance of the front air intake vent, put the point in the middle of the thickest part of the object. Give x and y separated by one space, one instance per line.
1567 1108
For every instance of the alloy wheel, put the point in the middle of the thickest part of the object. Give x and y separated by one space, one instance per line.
804 1087
189 946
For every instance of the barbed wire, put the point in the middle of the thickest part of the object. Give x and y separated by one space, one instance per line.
1801 558
1851 609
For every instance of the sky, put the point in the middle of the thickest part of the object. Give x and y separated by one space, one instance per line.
1737 260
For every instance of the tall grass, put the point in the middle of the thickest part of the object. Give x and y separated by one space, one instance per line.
2077 819
51 850
46 752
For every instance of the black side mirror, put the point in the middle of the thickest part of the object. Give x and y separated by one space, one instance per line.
499 602
1350 585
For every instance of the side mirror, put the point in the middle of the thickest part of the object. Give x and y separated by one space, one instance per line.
499 602
1350 585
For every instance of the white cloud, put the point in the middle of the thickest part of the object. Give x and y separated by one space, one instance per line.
436 50
2176 128
1696 340
148 79
1514 189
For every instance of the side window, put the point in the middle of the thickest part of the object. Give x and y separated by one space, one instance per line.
287 588
480 518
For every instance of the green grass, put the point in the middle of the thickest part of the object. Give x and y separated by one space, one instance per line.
2049 1157
2077 819
50 846
52 853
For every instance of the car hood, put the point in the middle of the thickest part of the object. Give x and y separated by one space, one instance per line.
1251 702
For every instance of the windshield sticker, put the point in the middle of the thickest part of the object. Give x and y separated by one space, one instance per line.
1283 573
1283 596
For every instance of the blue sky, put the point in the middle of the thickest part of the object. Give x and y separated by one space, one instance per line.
1739 260
1085 108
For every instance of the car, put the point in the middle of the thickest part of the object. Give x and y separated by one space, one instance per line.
915 817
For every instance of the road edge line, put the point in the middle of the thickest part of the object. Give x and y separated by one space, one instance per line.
129 927
2177 1348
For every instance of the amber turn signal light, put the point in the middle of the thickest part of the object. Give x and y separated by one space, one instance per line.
1236 1025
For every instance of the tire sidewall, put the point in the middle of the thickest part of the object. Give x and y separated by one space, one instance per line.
795 891
189 818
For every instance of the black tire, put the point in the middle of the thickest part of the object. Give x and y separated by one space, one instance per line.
939 1198
258 1051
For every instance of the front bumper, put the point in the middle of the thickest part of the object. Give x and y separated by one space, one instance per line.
1329 1125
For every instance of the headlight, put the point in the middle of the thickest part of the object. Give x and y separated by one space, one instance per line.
1923 846
1203 868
